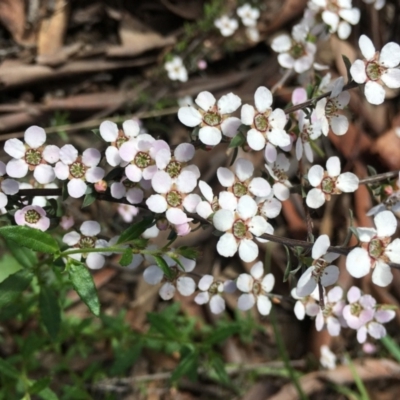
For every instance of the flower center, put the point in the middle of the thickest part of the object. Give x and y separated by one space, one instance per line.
257 288
330 108
32 217
376 248
280 174
239 229
86 242
120 141
373 70
212 118
33 157
142 160
239 189
261 122
216 287
328 185
332 6
319 267
355 309
174 198
297 50
77 169
174 169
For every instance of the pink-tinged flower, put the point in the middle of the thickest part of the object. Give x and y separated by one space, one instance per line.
295 51
32 216
327 359
241 181
277 171
117 137
176 70
7 186
331 315
320 270
375 327
127 212
212 291
329 182
339 15
133 191
78 169
308 132
267 125
255 287
87 239
67 222
32 156
248 14
185 285
326 110
227 26
306 305
240 225
360 310
377 70
377 250
140 154
212 117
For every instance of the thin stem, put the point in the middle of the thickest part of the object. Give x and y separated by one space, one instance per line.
379 177
282 81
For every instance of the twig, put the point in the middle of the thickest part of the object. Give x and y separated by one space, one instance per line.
282 81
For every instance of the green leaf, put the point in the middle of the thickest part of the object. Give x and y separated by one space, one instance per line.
163 325
371 170
392 347
127 257
90 197
39 385
50 311
222 333
164 266
124 359
237 141
347 63
13 286
187 366
48 394
8 370
288 265
31 238
187 252
134 231
82 281
219 367
27 258
8 266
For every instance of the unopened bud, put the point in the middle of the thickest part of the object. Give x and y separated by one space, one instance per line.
100 186
162 224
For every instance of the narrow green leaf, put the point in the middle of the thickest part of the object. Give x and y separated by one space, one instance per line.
90 197
8 370
48 394
288 264
187 366
124 359
163 325
39 385
357 379
237 141
13 286
164 266
392 347
127 257
31 238
222 333
347 63
50 311
27 258
134 231
219 367
82 282
187 252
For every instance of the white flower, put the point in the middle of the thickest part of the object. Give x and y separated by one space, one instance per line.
176 70
331 315
211 291
110 133
375 327
212 117
377 69
295 52
239 227
306 305
269 206
127 212
186 286
378 4
256 289
360 310
7 186
241 182
277 170
227 26
327 109
87 240
248 14
253 34
32 156
320 270
329 182
327 359
377 250
267 125
338 15
78 169
33 216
